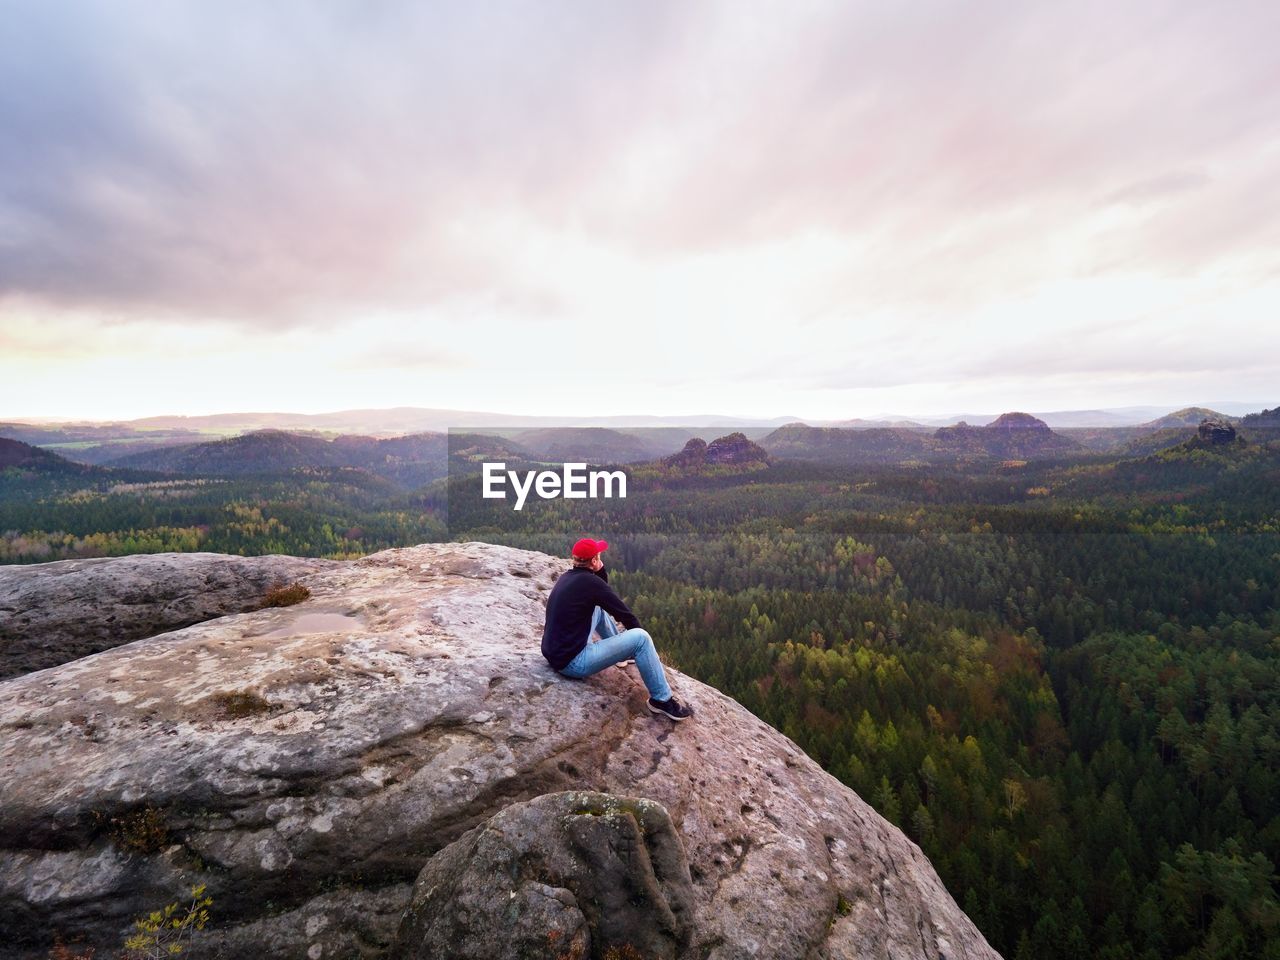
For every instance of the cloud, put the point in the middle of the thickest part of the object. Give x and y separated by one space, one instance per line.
297 163
763 200
282 163
1151 189
405 356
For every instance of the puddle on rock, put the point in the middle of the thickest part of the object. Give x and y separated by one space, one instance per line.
316 623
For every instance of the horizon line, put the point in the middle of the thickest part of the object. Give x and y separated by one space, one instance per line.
65 420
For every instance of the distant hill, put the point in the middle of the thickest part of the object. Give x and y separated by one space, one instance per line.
1060 419
1214 439
1206 433
16 455
407 461
93 433
28 470
110 451
1009 436
1269 419
1187 417
1144 438
1103 439
1149 443
857 423
840 445
263 451
95 443
666 440
1199 447
425 419
413 420
588 444
1106 418
477 448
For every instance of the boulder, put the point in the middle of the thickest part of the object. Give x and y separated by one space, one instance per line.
575 873
307 763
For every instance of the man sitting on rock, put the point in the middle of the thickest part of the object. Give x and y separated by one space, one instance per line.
582 604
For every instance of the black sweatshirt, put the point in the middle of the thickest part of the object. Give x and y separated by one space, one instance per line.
569 607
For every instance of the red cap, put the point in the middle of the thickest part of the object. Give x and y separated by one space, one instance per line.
586 548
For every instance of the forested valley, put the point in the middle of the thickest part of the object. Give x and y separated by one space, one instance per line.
1059 678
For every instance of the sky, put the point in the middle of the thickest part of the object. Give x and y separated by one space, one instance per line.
810 209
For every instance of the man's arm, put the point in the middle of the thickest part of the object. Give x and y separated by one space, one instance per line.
602 573
608 601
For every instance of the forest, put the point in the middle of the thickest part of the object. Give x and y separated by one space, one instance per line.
1059 678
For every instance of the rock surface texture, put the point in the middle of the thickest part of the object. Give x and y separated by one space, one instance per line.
310 763
51 613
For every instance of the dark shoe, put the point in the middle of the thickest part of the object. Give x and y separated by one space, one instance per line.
672 708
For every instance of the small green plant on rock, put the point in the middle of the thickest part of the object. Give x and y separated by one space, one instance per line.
139 831
167 932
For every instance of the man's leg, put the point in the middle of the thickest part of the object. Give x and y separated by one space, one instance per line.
603 624
629 644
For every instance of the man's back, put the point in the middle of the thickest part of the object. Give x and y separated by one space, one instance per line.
569 609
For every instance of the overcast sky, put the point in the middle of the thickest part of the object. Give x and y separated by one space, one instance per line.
815 209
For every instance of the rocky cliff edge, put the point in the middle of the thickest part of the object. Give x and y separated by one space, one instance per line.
309 763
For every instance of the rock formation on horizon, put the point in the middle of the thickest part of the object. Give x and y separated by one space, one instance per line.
733 449
1215 431
693 454
311 763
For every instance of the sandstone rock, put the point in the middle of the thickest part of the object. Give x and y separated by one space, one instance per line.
307 763
567 874
693 454
1215 431
735 448
51 613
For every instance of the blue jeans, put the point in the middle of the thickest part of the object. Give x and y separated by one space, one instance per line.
614 647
